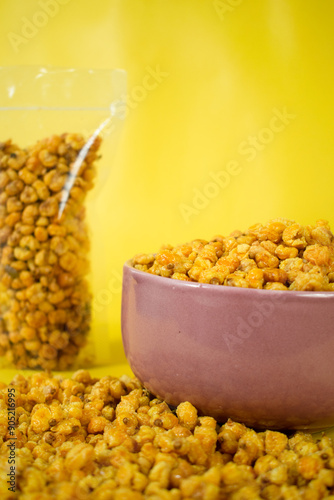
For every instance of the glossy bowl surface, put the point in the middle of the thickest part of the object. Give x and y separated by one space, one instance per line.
265 358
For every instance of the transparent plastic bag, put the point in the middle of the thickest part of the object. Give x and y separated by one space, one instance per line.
59 129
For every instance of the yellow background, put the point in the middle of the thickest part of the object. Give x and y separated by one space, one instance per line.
207 83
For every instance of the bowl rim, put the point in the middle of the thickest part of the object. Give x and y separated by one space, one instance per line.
164 281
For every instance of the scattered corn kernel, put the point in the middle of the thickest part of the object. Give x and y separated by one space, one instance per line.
106 438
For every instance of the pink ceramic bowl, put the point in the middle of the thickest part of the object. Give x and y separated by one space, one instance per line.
265 358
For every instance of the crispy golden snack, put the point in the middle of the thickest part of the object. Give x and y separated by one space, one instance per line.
44 245
109 439
279 255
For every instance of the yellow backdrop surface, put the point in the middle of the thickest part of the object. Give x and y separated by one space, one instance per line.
229 119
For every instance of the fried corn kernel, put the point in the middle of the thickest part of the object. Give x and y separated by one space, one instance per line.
44 245
83 437
278 255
